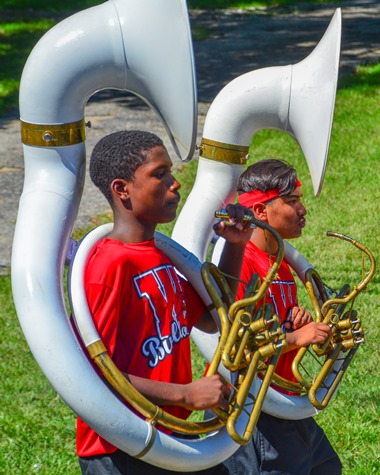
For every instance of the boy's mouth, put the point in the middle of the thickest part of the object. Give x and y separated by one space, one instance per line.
174 202
302 222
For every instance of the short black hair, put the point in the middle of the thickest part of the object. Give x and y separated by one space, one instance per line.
268 174
118 155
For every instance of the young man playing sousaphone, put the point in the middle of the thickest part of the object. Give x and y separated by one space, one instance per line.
270 188
142 308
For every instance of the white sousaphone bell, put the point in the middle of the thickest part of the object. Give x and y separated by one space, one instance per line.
105 47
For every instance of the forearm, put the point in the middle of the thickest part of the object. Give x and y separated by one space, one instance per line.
312 333
158 392
231 263
204 393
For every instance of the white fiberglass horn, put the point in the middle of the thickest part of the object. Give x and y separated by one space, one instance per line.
297 99
143 46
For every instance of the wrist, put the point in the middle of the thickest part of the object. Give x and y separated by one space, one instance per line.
290 339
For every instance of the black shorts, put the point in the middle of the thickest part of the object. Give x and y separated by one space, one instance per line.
286 447
120 463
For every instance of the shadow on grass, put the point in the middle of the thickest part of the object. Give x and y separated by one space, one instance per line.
17 38
364 77
22 24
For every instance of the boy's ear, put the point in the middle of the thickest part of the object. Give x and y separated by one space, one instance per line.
119 187
260 211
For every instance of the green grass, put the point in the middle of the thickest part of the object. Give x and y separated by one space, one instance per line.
38 434
16 38
38 428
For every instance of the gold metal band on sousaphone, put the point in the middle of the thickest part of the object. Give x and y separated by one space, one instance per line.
223 152
53 135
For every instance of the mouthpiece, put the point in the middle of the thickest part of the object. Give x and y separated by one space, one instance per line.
223 215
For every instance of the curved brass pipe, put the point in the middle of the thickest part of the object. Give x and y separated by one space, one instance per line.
250 337
152 413
346 335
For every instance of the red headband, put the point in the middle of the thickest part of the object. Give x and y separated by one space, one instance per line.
256 196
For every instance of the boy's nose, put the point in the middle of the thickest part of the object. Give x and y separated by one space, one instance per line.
176 185
303 210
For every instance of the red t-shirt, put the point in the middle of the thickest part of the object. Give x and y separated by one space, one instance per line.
282 294
144 312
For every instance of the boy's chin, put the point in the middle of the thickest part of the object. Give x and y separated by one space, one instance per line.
293 236
168 219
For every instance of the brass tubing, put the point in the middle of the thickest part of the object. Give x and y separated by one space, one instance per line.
238 406
250 335
258 403
332 314
287 385
296 367
232 340
364 282
208 272
312 278
233 364
272 352
335 383
321 378
146 408
339 344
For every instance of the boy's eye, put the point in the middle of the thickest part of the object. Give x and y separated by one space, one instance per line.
161 174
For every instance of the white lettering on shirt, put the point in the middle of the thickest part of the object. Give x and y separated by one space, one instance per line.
156 285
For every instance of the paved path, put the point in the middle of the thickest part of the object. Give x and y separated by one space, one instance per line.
237 42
